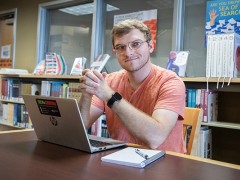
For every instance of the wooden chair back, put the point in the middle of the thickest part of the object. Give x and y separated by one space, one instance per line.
193 119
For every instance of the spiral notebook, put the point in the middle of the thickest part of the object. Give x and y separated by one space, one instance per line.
134 157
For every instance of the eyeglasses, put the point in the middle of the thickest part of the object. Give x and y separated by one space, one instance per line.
133 45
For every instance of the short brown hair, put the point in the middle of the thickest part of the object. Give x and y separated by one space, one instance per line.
124 27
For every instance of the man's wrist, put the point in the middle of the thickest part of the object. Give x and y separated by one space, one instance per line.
115 98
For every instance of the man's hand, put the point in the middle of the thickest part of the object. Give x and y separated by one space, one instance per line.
94 83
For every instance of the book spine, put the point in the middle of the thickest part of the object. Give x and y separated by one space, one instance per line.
203 95
189 97
45 88
193 104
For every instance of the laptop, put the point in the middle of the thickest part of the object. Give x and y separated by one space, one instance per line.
59 121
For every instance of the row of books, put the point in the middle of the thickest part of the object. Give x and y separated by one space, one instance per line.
61 89
99 127
206 99
14 115
204 142
204 149
223 55
13 89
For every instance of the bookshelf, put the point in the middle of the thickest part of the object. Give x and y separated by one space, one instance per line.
9 119
226 130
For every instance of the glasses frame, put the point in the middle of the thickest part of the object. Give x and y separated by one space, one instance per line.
120 48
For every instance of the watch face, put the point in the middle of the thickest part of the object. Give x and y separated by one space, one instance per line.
115 97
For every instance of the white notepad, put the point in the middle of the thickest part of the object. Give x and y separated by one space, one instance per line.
129 157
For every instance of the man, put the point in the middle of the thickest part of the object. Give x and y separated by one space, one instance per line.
144 103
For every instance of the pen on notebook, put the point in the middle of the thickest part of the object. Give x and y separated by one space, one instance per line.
145 156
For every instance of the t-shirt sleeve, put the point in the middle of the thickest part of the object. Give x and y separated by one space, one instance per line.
172 96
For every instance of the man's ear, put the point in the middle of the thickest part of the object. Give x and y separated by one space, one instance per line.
151 46
113 50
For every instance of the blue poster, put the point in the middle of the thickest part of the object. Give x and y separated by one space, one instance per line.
223 16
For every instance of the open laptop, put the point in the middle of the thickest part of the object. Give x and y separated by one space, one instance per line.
59 121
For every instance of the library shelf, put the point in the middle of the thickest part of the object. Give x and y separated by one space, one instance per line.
7 100
222 125
225 130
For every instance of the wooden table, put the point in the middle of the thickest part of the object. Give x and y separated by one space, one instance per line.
22 156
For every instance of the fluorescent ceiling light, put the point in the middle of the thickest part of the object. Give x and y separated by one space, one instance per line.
84 9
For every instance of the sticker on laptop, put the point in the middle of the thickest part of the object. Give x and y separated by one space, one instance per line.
48 107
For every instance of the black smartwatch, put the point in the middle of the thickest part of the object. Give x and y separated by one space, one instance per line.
115 97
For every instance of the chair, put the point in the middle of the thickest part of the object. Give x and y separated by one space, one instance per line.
192 118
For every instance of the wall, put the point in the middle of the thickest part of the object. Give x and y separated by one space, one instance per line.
26 35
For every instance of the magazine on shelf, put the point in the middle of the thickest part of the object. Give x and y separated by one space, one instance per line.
100 61
54 64
177 62
78 66
134 157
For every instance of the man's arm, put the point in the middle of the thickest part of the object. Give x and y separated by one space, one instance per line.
152 130
89 112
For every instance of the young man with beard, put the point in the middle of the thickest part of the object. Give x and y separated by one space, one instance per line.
144 103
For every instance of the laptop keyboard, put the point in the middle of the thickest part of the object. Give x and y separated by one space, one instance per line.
98 143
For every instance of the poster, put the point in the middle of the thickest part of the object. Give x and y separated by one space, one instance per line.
6 52
222 16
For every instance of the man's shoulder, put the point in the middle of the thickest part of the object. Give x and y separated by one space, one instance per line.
116 75
165 73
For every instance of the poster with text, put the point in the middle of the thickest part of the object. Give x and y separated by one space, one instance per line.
222 16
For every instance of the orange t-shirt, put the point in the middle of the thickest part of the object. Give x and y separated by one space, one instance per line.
162 89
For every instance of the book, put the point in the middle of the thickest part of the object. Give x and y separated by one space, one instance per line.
56 89
13 71
205 143
40 68
129 157
78 66
100 61
210 105
16 89
45 88
35 89
177 62
73 90
55 64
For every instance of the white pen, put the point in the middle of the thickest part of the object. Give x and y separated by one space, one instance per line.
145 156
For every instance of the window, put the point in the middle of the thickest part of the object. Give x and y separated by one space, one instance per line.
180 26
67 31
7 39
164 27
194 37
